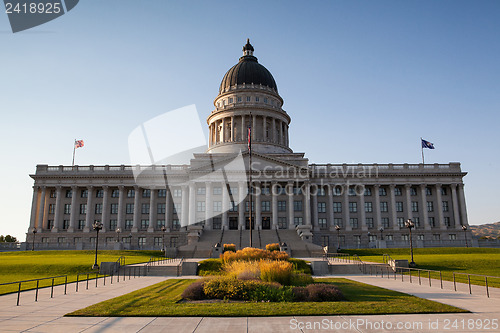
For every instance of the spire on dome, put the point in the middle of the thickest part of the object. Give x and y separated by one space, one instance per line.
248 48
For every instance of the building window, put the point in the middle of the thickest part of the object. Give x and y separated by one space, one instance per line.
372 238
322 223
297 206
383 206
321 207
420 237
218 206
83 208
369 222
282 223
428 191
368 192
352 191
399 206
141 241
114 208
257 99
368 207
337 191
52 194
247 207
98 208
414 206
67 208
110 239
233 207
238 98
61 240
321 192
230 100
51 208
297 220
430 206
389 237
112 225
353 207
397 191
99 194
265 190
452 237
217 190
160 208
158 242
173 241
447 221
81 224
405 237
84 194
50 224
146 193
416 221
413 191
401 222
444 191
127 240
201 191
129 208
266 206
436 237
145 208
177 208
248 98
65 224
338 221
281 206
176 225
69 193
297 190
432 223
265 100
445 206
353 222
77 240
130 193
217 223
177 193
337 207
129 224
382 191
144 224
160 224
162 193
115 193
385 222
200 206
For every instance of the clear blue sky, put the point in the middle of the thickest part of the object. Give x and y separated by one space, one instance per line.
367 77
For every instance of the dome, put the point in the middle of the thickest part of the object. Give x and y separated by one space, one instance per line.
248 71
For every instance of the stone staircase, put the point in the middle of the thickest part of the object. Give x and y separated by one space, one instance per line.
299 248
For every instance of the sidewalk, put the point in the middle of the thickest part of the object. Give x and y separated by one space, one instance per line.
47 315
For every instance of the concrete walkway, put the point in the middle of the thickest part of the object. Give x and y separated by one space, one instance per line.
47 315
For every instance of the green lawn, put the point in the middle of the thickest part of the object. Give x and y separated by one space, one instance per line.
484 261
27 265
162 299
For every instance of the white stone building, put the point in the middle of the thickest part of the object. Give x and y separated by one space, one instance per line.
368 202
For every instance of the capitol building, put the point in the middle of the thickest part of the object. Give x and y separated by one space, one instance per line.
189 208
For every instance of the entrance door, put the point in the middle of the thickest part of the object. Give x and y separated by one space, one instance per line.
247 223
233 223
266 223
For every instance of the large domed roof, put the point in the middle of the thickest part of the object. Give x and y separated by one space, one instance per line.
248 71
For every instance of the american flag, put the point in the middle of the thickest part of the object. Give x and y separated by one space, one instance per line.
78 143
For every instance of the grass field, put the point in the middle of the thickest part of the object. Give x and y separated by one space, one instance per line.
18 266
163 299
483 261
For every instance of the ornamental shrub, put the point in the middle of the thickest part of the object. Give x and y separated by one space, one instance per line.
229 248
229 288
273 247
246 270
320 292
300 294
210 267
301 279
253 254
194 291
300 266
276 271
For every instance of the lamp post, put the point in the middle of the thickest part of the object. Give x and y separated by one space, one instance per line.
118 230
97 226
34 233
410 225
464 228
163 229
369 234
337 227
381 235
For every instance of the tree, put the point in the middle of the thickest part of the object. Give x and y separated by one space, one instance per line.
8 239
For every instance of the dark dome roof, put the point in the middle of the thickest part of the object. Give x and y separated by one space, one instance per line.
248 71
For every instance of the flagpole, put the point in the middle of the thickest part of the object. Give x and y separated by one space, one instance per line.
422 149
250 177
74 148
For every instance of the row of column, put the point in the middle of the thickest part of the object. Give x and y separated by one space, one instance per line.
234 129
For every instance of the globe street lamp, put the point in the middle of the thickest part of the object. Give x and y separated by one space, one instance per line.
97 226
34 233
369 234
410 225
464 228
381 235
163 229
337 227
118 230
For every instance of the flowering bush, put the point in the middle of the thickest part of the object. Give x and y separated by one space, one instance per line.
276 271
273 247
254 254
229 248
240 269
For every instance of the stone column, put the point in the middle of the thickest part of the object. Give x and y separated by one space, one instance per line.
307 203
209 207
152 210
254 127
362 213
463 210
439 199
121 209
289 192
34 202
393 207
225 206
345 208
90 211
185 206
74 210
192 203
57 210
274 204
243 129
137 209
233 137
168 209
273 131
264 128
331 214
42 223
258 207
376 209
456 215
409 213
241 207
424 215
314 211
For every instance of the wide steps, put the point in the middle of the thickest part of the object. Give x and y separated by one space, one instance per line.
162 271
